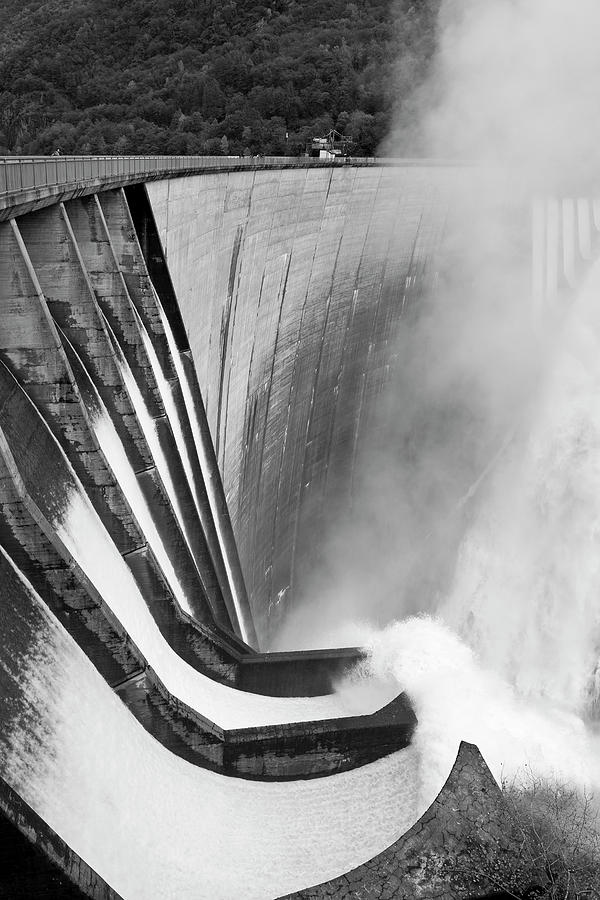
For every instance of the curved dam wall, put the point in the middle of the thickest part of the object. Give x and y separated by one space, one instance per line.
114 559
128 669
292 286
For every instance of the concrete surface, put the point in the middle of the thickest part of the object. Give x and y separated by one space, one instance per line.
292 286
437 859
273 335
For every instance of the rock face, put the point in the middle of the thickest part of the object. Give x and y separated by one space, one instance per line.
438 858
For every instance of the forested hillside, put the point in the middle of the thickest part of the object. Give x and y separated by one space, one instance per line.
205 76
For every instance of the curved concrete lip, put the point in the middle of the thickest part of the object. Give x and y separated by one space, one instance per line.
469 804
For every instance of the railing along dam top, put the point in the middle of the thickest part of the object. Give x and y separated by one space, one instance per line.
38 178
28 182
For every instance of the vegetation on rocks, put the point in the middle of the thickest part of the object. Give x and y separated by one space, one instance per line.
556 835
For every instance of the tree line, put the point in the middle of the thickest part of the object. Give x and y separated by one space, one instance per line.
206 76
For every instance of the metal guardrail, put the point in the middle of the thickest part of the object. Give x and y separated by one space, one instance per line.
19 174
31 182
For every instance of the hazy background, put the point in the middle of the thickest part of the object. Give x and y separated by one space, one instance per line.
513 82
479 504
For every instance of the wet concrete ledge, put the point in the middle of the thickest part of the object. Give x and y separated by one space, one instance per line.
36 863
285 752
311 672
267 753
305 749
437 858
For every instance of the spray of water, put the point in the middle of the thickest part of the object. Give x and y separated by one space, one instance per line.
471 568
510 657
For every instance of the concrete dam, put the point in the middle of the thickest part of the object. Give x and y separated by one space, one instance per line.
191 352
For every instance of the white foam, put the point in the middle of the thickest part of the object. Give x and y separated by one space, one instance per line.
511 661
155 826
151 435
458 698
85 537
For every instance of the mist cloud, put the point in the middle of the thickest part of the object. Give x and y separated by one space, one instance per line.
514 85
477 500
516 82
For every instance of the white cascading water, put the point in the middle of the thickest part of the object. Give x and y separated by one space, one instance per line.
149 431
90 545
510 661
114 451
112 447
166 392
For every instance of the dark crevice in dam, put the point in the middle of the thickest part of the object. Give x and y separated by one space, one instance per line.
228 311
35 864
147 235
217 524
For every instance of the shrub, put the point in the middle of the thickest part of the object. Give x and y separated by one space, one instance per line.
554 849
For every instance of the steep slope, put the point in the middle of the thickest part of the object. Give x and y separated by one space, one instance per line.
197 76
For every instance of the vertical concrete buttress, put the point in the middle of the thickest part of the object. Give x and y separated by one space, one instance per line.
72 295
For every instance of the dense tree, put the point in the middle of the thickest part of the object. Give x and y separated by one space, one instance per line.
201 76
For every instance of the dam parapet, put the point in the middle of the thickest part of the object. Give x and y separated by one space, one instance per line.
106 495
26 183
